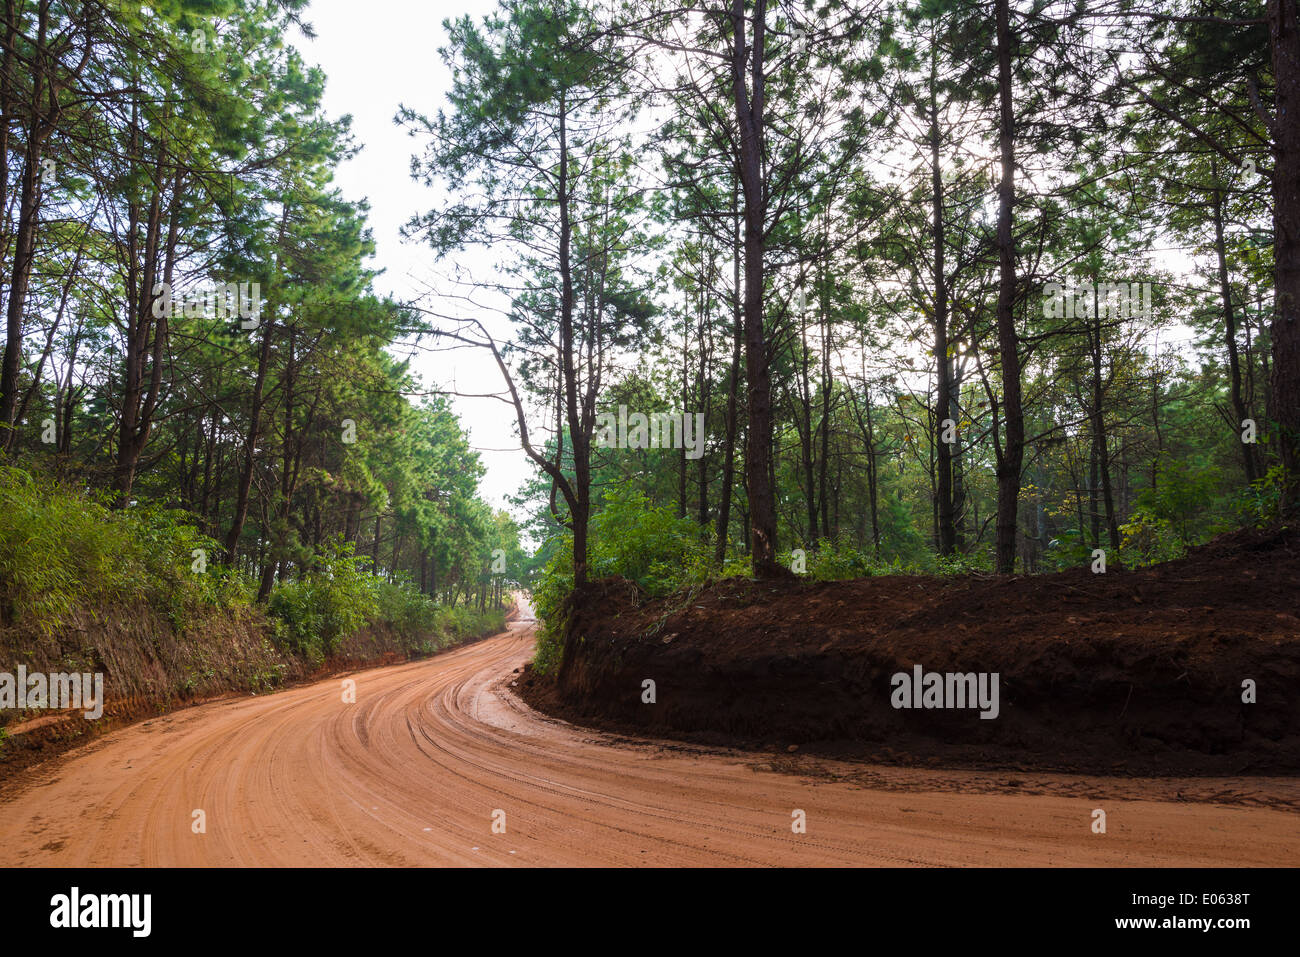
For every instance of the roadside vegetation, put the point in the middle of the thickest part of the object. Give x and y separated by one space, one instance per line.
68 560
219 470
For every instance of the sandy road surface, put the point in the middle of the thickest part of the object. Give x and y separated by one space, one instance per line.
412 773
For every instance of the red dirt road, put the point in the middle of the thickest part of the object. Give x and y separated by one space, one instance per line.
413 772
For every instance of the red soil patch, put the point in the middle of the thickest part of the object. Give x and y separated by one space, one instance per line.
1128 672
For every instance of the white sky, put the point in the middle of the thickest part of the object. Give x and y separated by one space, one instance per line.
377 55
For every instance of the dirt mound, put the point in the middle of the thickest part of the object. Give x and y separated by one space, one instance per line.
1138 671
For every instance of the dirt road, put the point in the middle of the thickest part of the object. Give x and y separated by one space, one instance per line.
417 770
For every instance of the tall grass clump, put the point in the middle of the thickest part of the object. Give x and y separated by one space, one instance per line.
63 550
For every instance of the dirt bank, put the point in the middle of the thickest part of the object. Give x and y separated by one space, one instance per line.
1128 672
150 667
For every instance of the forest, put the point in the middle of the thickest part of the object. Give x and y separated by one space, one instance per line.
199 407
956 287
949 287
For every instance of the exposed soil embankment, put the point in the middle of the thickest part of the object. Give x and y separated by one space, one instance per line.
151 667
300 779
1127 672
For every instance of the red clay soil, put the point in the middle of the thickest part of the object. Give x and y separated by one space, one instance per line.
1131 671
39 739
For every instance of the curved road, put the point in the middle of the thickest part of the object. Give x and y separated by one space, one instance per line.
414 772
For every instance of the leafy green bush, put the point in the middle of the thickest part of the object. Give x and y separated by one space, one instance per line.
63 550
1171 516
1148 538
411 615
1069 549
425 626
468 622
337 597
833 560
330 601
980 561
1260 503
646 544
553 585
839 559
630 537
663 553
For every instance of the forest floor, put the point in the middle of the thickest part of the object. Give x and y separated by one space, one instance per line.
1129 672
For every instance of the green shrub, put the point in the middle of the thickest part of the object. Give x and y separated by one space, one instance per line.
455 624
1173 515
1069 549
331 601
646 544
63 550
1260 503
840 559
338 597
412 616
663 553
833 560
629 537
980 561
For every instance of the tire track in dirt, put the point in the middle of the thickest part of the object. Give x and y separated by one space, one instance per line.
411 775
